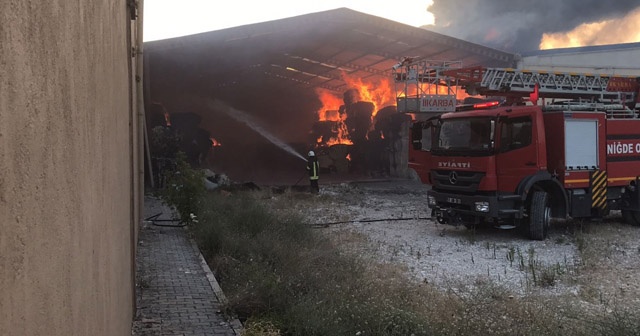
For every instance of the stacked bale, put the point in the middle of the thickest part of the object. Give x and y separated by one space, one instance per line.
338 155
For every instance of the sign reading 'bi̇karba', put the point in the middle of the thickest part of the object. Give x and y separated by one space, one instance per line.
437 103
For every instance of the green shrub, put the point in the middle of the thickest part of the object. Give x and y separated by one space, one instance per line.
184 189
164 142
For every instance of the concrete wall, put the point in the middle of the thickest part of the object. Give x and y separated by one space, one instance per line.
68 168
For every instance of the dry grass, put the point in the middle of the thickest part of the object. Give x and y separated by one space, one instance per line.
284 278
610 261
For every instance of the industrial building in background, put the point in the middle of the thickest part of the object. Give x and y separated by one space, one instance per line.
319 82
315 82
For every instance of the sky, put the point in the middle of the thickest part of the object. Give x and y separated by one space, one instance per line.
510 25
170 18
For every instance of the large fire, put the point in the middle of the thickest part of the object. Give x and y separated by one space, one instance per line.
330 105
378 93
624 30
358 127
329 112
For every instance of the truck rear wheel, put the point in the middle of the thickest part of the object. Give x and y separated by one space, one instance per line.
539 216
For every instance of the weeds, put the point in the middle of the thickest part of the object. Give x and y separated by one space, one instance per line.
257 327
184 189
537 273
511 254
616 322
283 278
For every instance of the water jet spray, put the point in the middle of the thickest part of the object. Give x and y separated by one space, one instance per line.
246 119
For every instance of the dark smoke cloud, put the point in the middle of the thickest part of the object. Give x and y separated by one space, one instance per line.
518 25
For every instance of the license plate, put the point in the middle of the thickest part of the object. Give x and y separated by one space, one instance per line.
454 200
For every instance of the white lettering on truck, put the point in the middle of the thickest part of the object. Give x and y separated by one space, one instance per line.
616 148
448 164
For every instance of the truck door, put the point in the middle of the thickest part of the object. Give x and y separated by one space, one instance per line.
420 149
517 155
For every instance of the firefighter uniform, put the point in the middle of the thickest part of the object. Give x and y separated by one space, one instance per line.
314 171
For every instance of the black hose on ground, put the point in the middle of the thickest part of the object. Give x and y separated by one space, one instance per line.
300 179
323 225
155 219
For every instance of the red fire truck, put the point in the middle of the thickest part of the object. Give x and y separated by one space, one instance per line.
513 163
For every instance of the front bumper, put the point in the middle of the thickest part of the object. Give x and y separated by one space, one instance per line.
457 209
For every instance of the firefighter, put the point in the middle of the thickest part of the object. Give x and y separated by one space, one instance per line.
314 171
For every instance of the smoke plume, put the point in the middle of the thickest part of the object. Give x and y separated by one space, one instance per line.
519 25
612 31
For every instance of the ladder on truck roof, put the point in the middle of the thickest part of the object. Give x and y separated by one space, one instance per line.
413 75
612 110
556 84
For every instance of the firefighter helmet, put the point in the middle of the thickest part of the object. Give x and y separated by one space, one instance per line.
311 153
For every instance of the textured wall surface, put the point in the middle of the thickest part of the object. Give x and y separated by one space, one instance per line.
65 168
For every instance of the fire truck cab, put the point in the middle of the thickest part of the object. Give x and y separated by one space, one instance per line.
517 165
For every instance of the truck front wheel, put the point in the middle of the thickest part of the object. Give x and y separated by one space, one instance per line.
539 216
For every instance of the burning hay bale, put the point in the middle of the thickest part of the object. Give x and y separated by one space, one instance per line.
365 124
356 138
334 158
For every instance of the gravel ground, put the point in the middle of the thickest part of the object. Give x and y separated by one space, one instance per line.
594 262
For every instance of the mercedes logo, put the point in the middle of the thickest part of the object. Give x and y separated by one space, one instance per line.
453 177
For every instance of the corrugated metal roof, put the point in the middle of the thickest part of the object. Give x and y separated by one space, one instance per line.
271 71
310 51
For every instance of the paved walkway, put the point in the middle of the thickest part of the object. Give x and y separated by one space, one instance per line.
176 292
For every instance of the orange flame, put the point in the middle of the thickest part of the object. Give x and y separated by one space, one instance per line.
330 106
379 93
342 138
329 112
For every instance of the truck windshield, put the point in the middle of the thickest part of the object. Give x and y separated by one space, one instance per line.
474 136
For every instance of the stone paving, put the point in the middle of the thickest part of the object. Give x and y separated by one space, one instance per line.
176 292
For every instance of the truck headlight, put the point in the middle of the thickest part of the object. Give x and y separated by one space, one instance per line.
431 201
482 206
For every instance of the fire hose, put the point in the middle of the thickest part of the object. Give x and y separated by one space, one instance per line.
324 225
155 219
300 179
